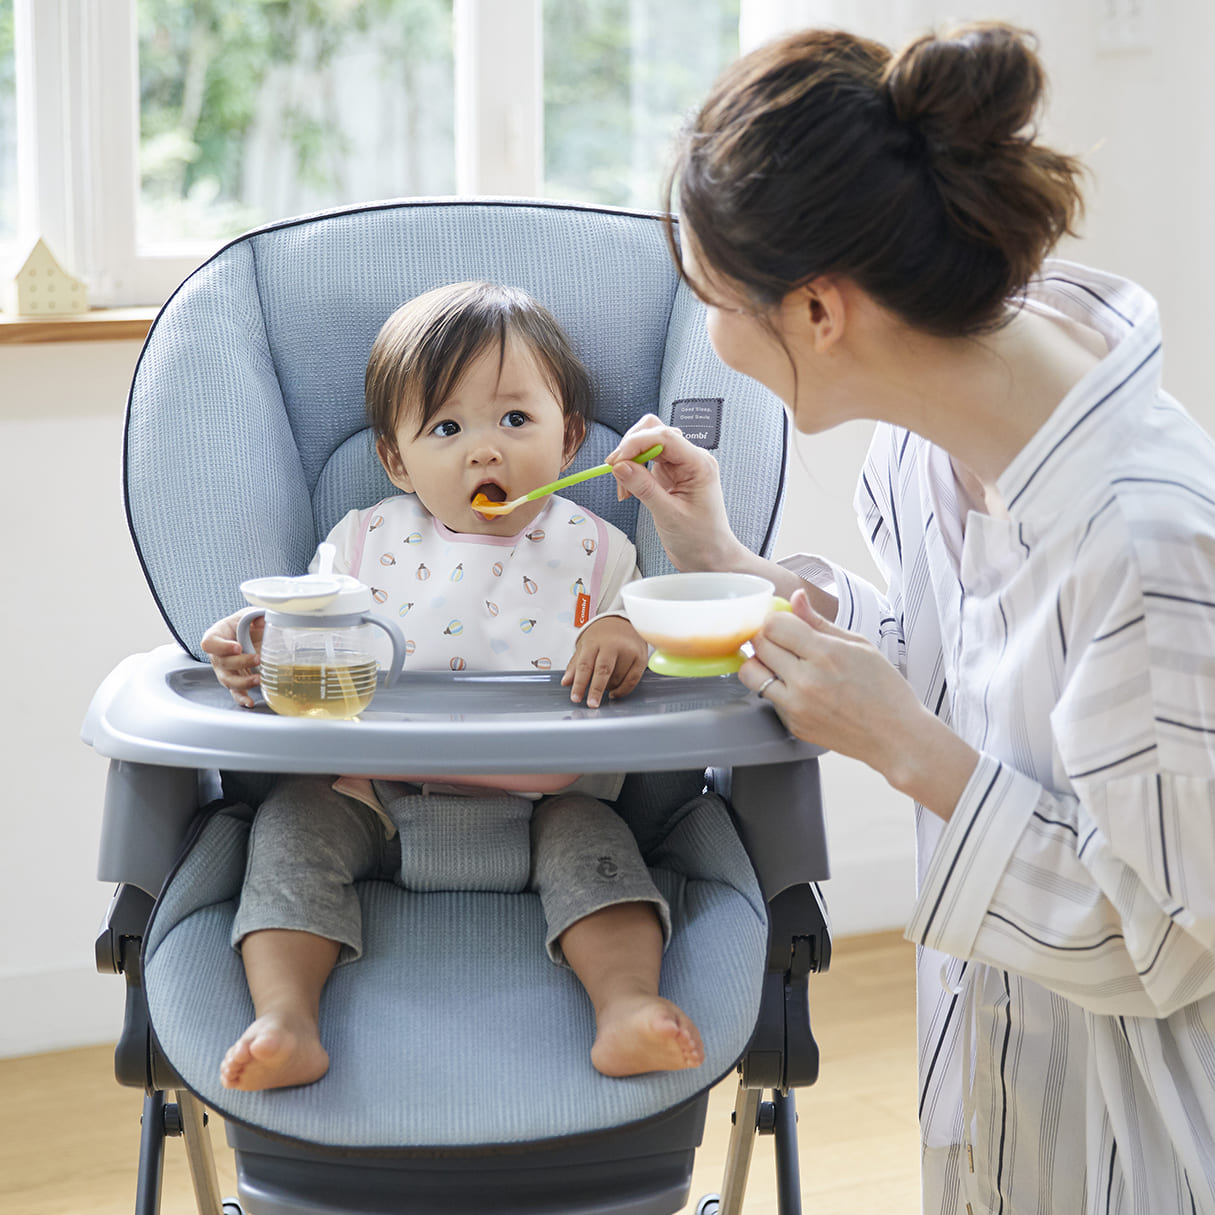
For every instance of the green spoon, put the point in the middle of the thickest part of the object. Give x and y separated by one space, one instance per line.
483 506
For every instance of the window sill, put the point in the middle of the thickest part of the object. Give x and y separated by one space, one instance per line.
98 325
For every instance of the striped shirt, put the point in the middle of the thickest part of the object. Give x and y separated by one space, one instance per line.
1065 914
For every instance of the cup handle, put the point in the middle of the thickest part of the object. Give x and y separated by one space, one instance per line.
781 605
398 646
244 624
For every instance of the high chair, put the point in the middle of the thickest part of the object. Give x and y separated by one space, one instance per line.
460 1078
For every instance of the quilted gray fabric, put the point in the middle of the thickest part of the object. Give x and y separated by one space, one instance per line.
435 1040
439 828
245 435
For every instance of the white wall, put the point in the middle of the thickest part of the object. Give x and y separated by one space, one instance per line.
75 601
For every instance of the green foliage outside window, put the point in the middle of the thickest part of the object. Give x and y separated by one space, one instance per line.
205 67
229 86
619 78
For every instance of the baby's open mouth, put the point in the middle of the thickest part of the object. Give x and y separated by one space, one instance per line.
488 494
490 490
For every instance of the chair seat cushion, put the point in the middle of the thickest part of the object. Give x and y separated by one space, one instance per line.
454 1029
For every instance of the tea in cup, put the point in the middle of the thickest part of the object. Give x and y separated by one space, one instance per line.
316 654
699 622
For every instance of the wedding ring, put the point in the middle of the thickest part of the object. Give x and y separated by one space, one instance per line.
763 687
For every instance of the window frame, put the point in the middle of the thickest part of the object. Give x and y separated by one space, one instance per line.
78 137
78 133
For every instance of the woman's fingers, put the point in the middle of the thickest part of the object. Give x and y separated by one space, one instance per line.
784 641
804 610
679 464
681 489
641 436
754 674
832 687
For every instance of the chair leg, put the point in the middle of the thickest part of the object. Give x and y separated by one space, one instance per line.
752 1117
151 1155
788 1172
738 1153
199 1155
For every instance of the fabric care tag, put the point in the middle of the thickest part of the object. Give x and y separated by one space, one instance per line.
700 420
582 610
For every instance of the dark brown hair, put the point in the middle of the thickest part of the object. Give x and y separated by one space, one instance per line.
426 345
917 176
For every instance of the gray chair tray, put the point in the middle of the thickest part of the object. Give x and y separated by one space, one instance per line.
164 708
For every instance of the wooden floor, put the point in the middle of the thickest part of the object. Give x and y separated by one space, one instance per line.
69 1135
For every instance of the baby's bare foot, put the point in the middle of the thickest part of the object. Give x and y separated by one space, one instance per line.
645 1034
274 1052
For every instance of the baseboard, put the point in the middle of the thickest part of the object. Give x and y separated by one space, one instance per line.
59 1009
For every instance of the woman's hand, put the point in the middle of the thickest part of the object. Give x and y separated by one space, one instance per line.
681 489
236 670
834 689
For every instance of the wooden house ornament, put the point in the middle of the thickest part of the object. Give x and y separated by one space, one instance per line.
42 287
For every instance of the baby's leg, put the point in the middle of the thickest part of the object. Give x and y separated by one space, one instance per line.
617 954
298 916
609 922
286 970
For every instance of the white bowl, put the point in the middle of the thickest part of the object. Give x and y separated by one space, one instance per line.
699 616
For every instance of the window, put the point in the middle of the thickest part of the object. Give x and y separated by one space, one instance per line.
249 111
619 76
137 135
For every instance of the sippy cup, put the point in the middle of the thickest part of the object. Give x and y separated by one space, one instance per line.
317 659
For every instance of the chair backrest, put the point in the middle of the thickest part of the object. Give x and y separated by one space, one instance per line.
246 438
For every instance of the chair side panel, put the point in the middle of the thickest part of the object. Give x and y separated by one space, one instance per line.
751 446
210 459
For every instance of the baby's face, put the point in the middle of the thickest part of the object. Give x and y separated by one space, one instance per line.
501 432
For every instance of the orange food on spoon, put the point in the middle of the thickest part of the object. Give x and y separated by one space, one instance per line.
485 505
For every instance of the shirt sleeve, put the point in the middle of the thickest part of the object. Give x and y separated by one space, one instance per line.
863 609
619 570
344 538
1099 886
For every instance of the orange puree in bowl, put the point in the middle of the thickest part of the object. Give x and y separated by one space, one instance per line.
700 647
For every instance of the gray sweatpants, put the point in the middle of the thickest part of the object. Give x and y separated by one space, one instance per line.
309 844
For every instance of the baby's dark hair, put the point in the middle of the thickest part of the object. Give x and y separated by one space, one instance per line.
916 175
426 345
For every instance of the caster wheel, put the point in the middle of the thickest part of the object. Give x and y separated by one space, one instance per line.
232 1207
709 1204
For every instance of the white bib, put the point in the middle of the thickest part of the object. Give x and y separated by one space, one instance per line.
502 603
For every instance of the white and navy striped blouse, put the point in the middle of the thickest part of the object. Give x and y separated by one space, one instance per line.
1066 912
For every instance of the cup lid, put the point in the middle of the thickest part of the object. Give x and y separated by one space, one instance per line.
309 594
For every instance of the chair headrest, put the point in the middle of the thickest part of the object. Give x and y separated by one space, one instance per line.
246 437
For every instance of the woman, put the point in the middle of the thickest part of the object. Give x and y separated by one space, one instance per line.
869 234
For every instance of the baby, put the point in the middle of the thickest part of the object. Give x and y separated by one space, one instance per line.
471 389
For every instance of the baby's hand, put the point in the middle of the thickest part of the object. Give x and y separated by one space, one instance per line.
236 670
610 657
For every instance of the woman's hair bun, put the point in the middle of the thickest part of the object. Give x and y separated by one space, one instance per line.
966 91
971 99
